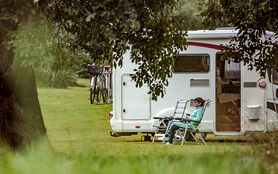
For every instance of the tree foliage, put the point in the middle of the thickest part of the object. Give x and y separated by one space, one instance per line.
14 11
254 45
213 14
106 29
21 120
35 46
189 11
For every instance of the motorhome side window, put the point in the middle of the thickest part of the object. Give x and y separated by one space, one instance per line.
192 63
275 76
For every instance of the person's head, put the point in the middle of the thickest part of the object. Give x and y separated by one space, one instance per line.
198 102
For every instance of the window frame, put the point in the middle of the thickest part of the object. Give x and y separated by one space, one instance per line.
273 81
197 54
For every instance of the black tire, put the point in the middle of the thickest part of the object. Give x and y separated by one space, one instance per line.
105 95
98 95
102 95
91 96
94 91
189 137
204 135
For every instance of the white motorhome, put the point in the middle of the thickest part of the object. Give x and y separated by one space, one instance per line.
241 101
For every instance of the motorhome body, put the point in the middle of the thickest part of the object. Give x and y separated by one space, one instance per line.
239 103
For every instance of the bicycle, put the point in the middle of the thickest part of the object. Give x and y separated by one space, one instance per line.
98 86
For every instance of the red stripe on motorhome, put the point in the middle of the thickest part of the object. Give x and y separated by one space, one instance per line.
217 47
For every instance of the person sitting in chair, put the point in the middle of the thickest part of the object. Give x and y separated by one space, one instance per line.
196 116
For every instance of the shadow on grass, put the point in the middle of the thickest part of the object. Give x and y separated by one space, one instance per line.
209 140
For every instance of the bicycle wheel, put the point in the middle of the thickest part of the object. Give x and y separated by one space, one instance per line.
91 96
93 90
105 95
98 99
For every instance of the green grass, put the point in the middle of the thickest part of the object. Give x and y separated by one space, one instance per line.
74 124
78 133
43 160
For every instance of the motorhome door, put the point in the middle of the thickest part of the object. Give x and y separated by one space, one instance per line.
135 101
228 95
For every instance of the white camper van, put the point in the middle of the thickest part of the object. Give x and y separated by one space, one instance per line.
241 101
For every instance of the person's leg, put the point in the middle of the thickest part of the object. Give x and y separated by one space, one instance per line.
177 123
167 134
169 129
172 133
174 126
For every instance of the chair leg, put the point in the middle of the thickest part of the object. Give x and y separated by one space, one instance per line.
202 138
175 137
154 137
183 137
155 132
183 140
194 137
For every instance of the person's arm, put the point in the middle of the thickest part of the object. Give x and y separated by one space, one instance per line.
196 115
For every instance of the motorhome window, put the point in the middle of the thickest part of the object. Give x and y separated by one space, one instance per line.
275 76
192 63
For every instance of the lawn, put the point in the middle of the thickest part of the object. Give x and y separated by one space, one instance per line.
73 123
79 138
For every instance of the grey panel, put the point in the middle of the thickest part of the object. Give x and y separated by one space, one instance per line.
249 84
199 82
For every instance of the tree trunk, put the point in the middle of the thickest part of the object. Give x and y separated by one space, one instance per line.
21 121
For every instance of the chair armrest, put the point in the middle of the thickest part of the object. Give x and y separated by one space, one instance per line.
158 117
190 120
160 127
163 118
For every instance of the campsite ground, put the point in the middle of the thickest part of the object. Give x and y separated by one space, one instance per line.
78 133
74 124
